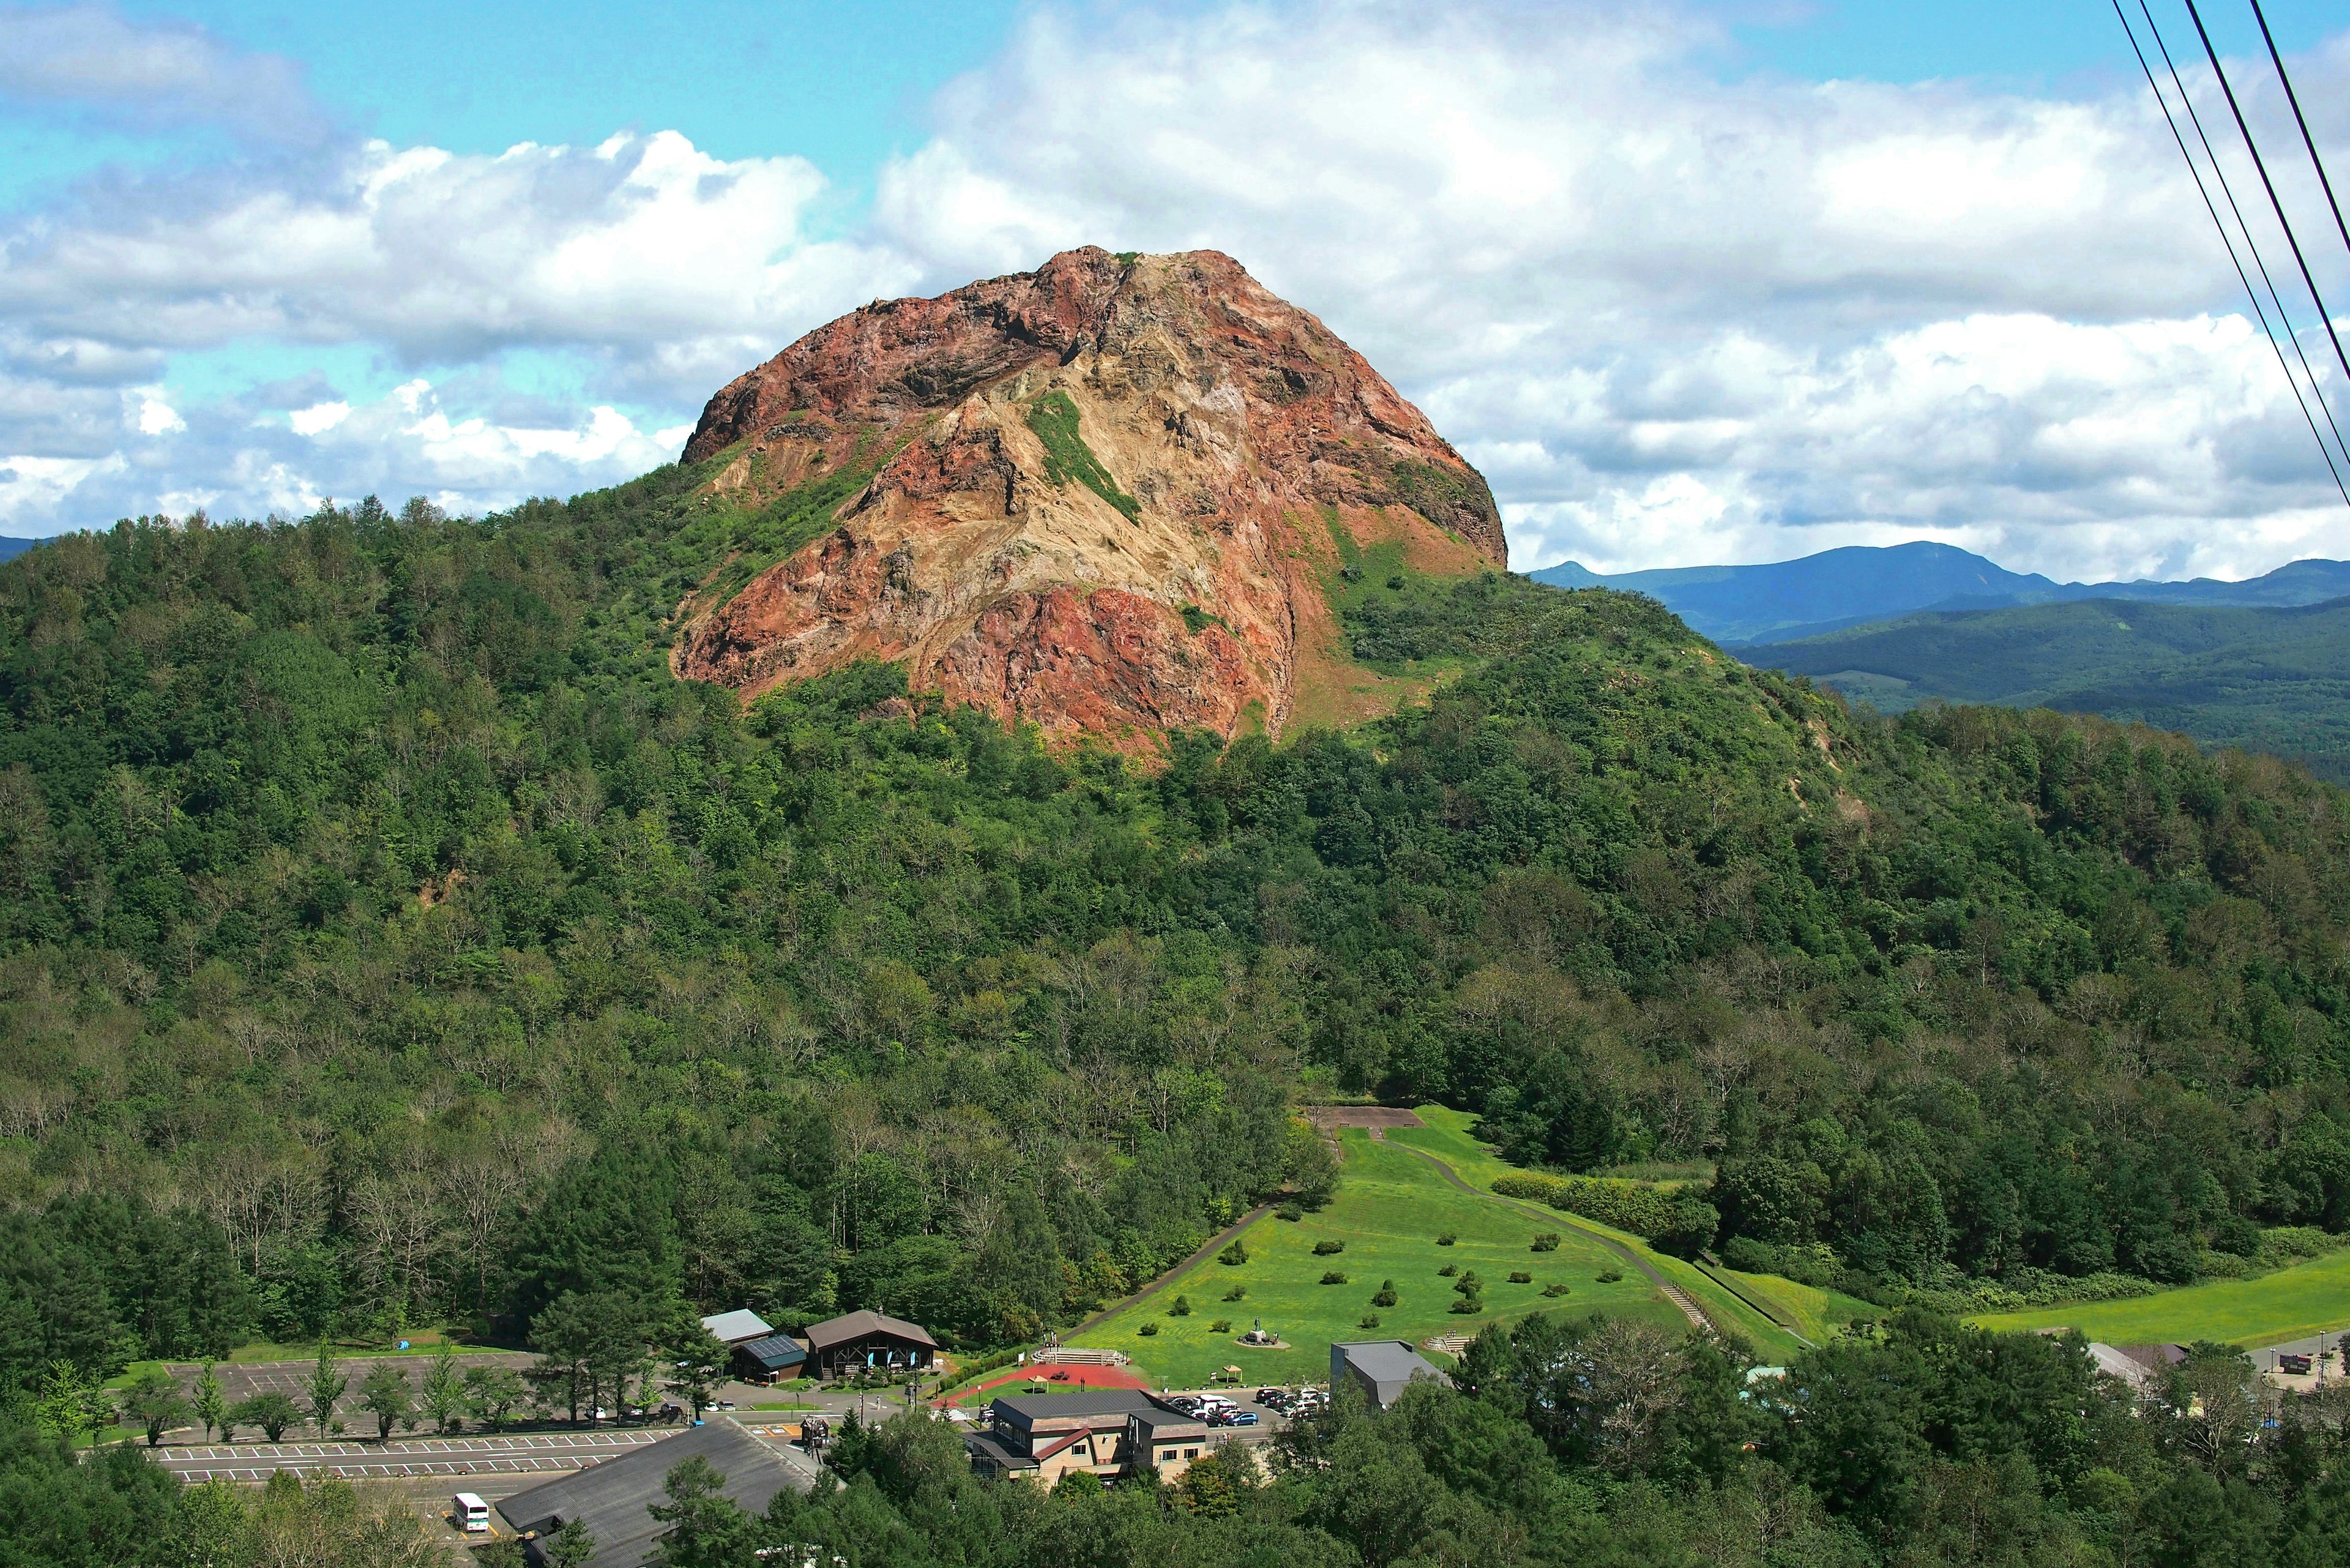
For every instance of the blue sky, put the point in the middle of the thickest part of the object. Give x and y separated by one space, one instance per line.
255 253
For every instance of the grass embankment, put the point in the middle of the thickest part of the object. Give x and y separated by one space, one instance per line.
1390 1210
2293 1304
1814 1314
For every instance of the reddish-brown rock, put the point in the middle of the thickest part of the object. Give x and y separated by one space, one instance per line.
1242 434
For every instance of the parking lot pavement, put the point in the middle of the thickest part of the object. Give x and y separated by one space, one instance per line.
501 1454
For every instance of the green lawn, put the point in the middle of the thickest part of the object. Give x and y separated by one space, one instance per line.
2293 1304
1445 1136
1390 1209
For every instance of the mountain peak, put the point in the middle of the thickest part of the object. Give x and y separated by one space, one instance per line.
1105 495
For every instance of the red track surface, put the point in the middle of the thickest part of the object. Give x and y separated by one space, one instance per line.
1075 1377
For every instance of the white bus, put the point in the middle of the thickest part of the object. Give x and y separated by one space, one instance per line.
471 1514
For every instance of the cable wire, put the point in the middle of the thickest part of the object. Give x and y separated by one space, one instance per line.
2270 186
2298 118
2251 245
2323 450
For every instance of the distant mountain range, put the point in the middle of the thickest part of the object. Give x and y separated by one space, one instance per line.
1856 585
2267 679
12 548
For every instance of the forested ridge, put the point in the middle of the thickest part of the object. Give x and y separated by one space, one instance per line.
389 939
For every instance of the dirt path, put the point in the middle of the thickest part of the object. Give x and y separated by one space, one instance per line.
1665 1287
1207 1248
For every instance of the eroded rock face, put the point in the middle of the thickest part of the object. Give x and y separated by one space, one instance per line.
1164 569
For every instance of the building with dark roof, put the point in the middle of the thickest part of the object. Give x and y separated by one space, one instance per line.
765 1360
611 1499
841 1346
1107 1432
1382 1368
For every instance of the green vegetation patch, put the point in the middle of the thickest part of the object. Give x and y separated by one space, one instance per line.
1054 417
2265 678
798 516
2293 1305
1390 1205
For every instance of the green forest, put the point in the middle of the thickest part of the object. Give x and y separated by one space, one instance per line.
2268 678
388 939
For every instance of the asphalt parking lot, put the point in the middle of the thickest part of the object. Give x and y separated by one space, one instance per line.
519 1453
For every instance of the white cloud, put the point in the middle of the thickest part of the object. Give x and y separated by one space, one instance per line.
644 250
151 74
1675 314
318 417
1676 317
157 417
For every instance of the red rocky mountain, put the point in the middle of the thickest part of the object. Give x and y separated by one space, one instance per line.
1108 496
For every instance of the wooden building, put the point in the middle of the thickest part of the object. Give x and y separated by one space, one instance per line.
861 1341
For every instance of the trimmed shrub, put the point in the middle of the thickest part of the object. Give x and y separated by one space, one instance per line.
1221 1325
1610 1275
1289 1211
1368 1320
1386 1296
1327 1248
1467 1304
1333 1278
1238 1293
1445 1239
1522 1278
1447 1271
1180 1307
1554 1290
1147 1330
1233 1254
1547 1242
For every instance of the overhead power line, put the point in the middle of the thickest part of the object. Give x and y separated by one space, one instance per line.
2301 121
2228 241
2270 186
2251 245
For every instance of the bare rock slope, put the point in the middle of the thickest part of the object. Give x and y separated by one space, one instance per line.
1108 496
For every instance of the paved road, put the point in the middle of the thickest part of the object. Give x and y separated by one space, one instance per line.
503 1454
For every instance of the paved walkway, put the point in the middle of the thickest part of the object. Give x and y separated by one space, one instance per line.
1665 1287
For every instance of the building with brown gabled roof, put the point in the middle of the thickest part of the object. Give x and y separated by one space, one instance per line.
861 1341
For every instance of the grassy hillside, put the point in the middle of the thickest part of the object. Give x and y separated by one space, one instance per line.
1389 1210
2268 679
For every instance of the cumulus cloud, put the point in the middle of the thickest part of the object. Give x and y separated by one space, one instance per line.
1677 311
1679 315
152 74
644 249
243 456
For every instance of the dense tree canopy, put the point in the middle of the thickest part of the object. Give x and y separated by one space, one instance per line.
386 935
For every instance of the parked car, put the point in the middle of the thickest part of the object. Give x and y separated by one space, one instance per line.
1241 1418
2296 1364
